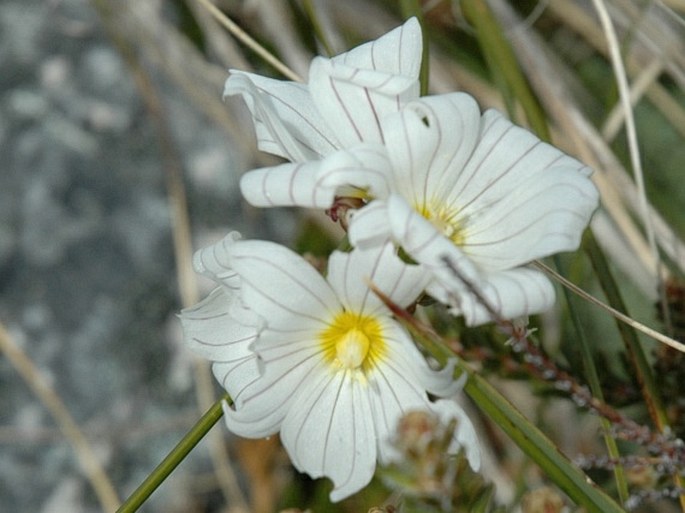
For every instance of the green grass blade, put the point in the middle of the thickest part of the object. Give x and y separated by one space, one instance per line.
634 349
411 8
593 381
632 343
523 432
539 448
310 11
503 65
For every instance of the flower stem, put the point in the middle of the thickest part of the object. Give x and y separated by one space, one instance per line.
536 445
174 458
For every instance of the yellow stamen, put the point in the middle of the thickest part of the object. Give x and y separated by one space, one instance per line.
353 341
445 219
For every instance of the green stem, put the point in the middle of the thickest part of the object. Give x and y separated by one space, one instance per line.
411 8
503 65
595 386
174 458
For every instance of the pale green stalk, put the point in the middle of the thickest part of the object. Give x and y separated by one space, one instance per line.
174 458
411 8
556 466
523 432
504 66
310 11
633 346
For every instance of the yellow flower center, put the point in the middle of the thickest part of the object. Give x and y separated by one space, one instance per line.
445 219
353 341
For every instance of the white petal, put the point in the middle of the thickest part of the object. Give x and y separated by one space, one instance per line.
354 101
262 406
280 286
543 215
512 293
399 382
403 355
350 274
329 432
287 185
213 263
397 52
275 345
212 332
286 121
364 166
393 395
315 184
424 243
237 374
429 142
465 435
369 226
505 156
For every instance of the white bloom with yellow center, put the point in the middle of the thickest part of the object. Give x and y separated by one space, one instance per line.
476 193
438 178
319 359
450 183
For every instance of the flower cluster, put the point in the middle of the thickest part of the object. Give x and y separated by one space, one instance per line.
322 360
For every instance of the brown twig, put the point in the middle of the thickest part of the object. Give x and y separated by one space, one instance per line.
85 455
181 239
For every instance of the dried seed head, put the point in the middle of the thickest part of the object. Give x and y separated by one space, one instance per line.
542 500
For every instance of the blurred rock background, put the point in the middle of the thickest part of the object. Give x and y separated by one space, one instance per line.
88 285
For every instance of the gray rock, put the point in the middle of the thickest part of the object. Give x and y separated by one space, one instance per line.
87 272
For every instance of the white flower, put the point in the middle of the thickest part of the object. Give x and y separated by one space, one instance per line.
343 104
449 183
453 188
319 359
481 192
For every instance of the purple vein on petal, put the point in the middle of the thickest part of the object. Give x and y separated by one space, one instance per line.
373 271
328 378
218 344
275 382
331 417
476 169
306 120
523 229
294 278
344 108
372 106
